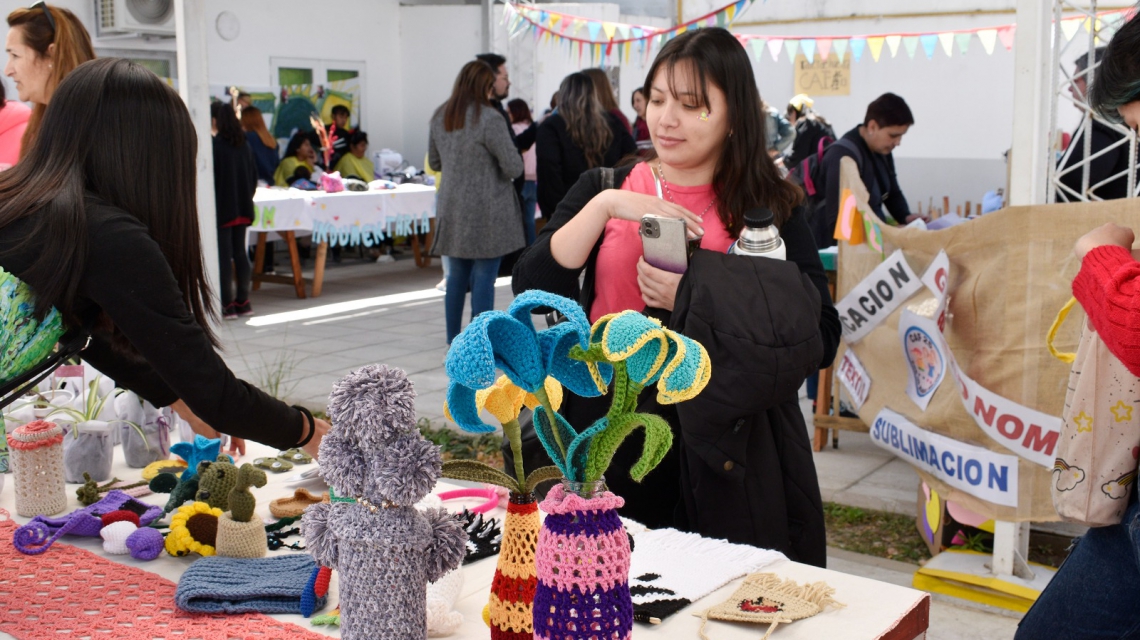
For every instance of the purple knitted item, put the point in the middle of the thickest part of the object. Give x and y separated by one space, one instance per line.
38 535
582 561
145 543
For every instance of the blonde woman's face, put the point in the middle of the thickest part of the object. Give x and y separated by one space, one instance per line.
27 68
686 133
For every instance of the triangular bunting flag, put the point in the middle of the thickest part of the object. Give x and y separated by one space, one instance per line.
721 19
1070 27
774 46
988 38
792 47
555 20
757 45
1087 24
840 47
730 13
824 47
594 28
1005 34
711 22
740 6
808 47
623 32
857 46
947 40
911 44
963 41
876 45
578 24
636 32
610 28
543 17
929 41
893 44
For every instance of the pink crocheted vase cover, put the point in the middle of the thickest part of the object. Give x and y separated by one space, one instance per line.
582 561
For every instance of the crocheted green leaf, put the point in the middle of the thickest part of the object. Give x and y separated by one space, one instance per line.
552 443
577 454
544 474
475 471
658 439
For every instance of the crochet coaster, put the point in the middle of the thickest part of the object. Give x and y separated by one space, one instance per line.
766 599
294 505
72 592
240 585
670 569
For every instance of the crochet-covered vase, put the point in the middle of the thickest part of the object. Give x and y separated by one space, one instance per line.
512 590
583 566
89 449
37 462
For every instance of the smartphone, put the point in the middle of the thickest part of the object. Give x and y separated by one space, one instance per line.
664 243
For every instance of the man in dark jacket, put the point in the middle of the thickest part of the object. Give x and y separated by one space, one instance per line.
1109 150
871 145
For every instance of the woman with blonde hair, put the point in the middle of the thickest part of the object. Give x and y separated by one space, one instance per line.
477 208
263 143
44 44
579 136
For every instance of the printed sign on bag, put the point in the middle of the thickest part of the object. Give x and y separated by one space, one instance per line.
1028 433
877 296
854 378
937 279
979 472
924 352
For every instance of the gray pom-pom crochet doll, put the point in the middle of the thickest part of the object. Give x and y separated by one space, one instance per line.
384 550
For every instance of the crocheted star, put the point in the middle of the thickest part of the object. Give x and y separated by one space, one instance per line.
202 448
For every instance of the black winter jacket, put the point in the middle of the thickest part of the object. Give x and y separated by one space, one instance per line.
778 326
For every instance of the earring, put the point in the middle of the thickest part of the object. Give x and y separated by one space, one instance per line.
704 117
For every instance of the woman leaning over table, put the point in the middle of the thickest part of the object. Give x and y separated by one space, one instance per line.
118 254
741 466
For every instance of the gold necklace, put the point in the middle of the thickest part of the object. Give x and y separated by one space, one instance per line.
669 192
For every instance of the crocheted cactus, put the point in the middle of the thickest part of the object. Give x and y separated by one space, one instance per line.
240 499
375 455
215 479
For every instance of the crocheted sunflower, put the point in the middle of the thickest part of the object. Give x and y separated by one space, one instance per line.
193 529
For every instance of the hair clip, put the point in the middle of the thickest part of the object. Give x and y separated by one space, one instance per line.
704 117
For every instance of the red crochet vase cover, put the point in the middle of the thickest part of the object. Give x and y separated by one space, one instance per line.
71 592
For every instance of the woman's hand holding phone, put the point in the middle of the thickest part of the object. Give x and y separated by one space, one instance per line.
629 205
658 287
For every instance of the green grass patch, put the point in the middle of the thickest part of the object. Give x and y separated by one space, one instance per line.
874 533
461 446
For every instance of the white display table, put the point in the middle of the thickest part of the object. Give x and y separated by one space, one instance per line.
874 609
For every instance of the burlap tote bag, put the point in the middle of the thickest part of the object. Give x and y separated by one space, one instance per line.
1100 437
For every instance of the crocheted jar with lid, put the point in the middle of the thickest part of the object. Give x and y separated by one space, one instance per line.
582 561
37 462
512 590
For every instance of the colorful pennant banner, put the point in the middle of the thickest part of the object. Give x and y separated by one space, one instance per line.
523 18
949 42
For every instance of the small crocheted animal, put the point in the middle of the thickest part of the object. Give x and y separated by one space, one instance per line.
215 480
384 550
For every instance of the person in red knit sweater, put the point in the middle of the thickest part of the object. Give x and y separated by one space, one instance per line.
1095 593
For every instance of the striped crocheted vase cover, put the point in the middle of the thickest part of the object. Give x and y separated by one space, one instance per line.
512 590
583 569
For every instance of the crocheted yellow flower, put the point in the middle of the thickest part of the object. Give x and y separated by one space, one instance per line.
193 529
168 466
505 399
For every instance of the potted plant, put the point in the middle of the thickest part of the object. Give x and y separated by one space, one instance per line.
150 441
89 446
582 552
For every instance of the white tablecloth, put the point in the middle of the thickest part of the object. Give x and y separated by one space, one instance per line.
872 607
347 217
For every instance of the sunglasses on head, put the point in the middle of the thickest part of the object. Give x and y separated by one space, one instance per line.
47 12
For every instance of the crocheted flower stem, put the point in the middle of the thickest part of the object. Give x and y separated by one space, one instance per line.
514 436
540 393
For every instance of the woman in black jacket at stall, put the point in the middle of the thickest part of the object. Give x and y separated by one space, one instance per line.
235 181
577 137
118 252
741 466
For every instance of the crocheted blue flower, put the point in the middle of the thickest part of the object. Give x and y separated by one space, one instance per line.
508 341
202 448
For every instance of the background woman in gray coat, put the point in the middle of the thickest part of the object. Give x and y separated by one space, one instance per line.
477 210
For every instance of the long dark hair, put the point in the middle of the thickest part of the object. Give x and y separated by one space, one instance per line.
604 88
72 48
745 177
1117 79
520 111
103 118
229 129
585 118
472 86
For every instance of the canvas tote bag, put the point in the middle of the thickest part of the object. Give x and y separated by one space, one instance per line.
1095 471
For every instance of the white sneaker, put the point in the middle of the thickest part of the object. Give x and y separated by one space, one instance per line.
442 286
385 258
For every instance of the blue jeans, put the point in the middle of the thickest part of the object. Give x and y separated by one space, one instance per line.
480 275
529 202
1096 591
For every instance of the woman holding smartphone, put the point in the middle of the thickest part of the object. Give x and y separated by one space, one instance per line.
704 118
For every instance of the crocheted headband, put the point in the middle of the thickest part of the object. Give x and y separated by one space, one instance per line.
492 496
240 585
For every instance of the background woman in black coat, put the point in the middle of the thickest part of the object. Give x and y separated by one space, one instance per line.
578 136
235 180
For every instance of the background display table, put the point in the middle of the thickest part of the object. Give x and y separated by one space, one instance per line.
874 609
346 218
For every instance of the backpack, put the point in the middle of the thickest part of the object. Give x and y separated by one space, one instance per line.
809 175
